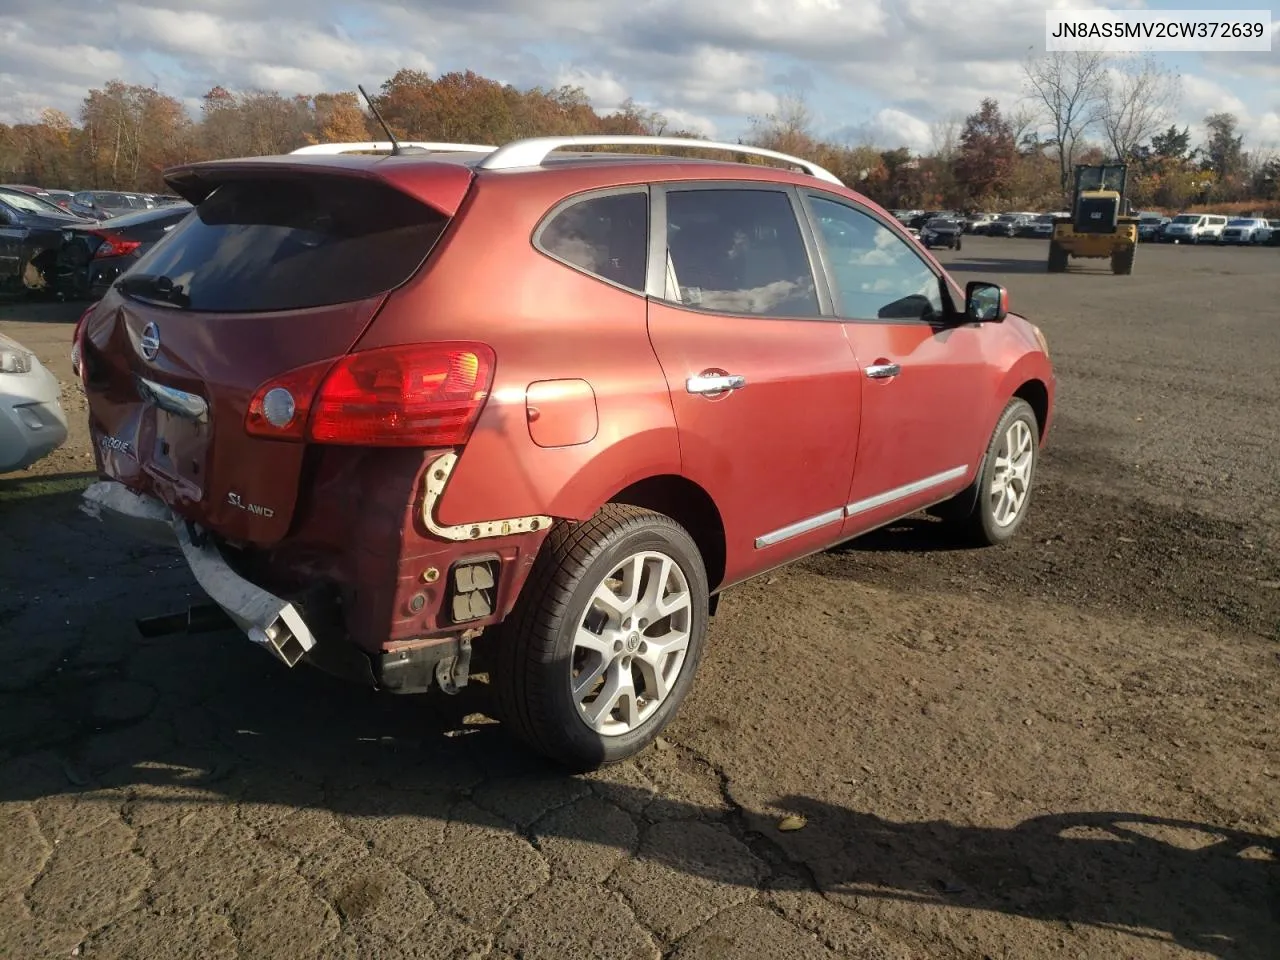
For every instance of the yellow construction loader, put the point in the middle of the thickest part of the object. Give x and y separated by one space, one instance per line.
1100 224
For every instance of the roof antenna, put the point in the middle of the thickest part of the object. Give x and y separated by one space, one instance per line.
396 149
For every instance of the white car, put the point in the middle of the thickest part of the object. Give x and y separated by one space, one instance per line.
1246 230
32 421
1194 228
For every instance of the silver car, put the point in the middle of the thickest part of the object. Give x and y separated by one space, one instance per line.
32 421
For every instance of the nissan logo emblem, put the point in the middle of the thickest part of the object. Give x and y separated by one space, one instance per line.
150 342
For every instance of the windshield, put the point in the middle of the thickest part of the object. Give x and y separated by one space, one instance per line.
1008 217
939 224
25 201
1186 218
1107 177
1241 223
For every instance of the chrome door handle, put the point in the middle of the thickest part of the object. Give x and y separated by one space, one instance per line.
705 384
882 371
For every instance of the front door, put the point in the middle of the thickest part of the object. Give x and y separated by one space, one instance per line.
924 406
765 388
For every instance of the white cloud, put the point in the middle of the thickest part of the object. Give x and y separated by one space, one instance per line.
883 68
889 129
605 90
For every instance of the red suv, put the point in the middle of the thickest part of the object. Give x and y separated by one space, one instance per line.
387 404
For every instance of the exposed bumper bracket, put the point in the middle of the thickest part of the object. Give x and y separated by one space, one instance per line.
437 476
269 621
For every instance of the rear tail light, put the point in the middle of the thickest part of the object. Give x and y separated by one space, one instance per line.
113 246
407 396
77 349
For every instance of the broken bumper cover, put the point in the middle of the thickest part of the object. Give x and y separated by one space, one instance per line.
269 621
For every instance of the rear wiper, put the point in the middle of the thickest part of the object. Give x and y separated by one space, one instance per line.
151 286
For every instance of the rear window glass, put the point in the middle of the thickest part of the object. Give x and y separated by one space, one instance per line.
290 243
607 236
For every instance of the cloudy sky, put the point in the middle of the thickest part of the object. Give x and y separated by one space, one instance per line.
878 71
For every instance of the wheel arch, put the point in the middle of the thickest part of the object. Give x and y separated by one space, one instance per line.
689 505
1036 394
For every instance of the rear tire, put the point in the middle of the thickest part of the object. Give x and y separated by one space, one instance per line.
982 516
1058 257
589 676
1122 261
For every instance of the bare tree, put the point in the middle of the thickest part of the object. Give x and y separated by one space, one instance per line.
944 136
1022 124
1069 88
1139 98
789 129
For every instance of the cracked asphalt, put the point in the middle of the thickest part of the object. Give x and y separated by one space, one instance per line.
1063 748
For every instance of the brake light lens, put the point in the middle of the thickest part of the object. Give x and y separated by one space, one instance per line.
76 348
406 396
113 246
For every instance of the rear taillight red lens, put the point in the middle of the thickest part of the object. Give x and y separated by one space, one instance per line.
76 342
407 396
113 246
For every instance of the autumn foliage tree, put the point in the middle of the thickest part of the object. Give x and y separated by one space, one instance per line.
987 155
128 134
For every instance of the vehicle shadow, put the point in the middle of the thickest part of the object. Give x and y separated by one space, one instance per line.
993 265
42 309
917 533
99 717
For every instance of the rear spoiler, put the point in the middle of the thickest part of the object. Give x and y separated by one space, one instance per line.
441 185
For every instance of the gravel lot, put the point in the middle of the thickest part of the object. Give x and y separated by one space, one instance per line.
1066 747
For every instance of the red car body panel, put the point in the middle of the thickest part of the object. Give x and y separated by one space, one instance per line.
780 450
596 333
587 399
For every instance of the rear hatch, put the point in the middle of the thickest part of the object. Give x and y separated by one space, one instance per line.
279 268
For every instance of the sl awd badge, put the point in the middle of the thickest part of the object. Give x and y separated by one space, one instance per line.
234 500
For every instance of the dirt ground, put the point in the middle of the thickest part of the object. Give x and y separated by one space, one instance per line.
1066 747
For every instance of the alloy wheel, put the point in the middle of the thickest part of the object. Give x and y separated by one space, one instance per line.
631 643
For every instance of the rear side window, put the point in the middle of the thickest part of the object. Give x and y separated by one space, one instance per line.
288 244
606 236
738 250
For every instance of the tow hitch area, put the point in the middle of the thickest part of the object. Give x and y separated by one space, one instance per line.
269 621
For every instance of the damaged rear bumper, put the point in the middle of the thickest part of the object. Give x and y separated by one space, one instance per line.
269 621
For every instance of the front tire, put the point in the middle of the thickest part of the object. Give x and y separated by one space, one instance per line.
605 639
994 507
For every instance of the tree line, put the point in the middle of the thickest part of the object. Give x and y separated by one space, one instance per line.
1077 108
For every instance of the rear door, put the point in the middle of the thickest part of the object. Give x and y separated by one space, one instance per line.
764 385
11 237
267 276
927 382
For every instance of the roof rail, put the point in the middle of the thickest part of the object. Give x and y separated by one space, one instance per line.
384 145
531 152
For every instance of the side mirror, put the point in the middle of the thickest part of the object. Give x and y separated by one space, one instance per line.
985 302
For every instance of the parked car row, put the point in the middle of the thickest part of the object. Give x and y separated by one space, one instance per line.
1152 227
96 204
46 248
